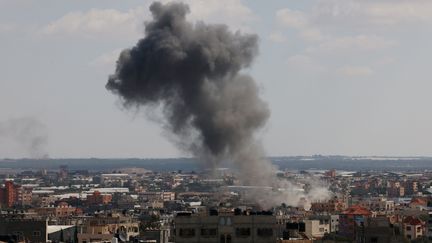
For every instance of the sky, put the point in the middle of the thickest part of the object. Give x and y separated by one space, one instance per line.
341 77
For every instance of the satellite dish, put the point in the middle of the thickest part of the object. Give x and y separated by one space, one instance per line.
123 236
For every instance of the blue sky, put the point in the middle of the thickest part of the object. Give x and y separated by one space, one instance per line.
345 77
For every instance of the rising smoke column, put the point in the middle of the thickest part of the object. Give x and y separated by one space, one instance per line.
29 134
192 70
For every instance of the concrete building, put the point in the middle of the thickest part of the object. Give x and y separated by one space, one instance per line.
155 196
225 227
379 230
114 179
9 194
334 223
352 220
26 196
61 211
379 204
24 229
331 206
412 228
62 233
103 228
317 228
97 198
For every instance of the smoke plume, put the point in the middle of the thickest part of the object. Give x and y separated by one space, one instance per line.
192 71
28 134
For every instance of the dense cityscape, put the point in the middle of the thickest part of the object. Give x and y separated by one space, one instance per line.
215 121
139 205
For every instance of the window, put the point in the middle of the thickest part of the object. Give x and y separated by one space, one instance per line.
18 233
228 239
222 221
418 229
187 233
222 239
209 232
265 232
243 232
36 233
408 228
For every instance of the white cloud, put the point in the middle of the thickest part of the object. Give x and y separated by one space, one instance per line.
312 35
98 23
304 63
373 11
231 12
352 43
292 18
114 23
6 27
355 71
277 37
385 61
106 60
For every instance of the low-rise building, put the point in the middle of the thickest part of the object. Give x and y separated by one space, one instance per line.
225 227
24 229
103 228
412 228
317 228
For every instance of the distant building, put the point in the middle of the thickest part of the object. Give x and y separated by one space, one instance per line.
98 198
26 196
331 206
379 204
155 196
114 179
63 172
9 194
61 211
330 173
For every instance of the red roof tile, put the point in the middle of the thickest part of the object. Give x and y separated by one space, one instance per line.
357 210
412 221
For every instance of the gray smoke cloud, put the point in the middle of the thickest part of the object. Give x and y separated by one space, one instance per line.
29 135
192 71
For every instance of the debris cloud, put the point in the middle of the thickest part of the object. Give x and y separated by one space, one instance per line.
193 71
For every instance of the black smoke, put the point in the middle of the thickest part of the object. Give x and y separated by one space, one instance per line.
192 72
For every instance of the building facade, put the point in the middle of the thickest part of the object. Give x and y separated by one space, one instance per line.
225 228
